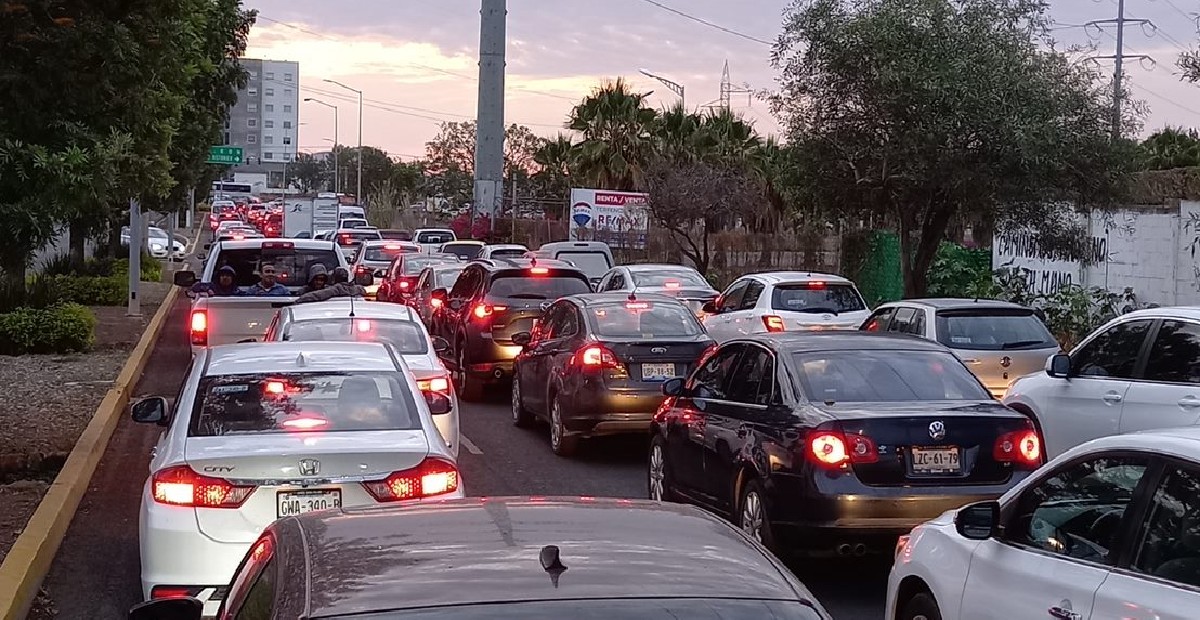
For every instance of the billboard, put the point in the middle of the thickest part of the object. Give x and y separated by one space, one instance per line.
620 219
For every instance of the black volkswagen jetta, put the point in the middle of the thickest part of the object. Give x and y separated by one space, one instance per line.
835 442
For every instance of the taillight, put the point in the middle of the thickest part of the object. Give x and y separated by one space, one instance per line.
834 449
483 311
404 284
181 486
773 323
434 302
200 328
596 356
434 384
432 477
1021 447
173 592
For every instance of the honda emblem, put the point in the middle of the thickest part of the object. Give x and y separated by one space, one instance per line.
937 430
310 467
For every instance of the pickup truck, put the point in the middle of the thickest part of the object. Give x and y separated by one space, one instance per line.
216 320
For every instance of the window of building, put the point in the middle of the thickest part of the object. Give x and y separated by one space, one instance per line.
270 92
270 75
253 92
287 92
226 137
287 109
268 107
287 77
226 125
287 124
251 139
268 124
253 107
268 155
252 122
253 75
287 140
268 139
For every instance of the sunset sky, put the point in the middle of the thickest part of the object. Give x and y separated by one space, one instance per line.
417 61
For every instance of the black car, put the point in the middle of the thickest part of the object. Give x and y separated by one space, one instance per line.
492 300
595 364
835 442
503 558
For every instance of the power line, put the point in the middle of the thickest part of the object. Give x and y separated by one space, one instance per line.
1119 57
1167 100
705 22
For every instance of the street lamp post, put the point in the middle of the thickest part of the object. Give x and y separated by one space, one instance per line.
674 87
358 191
336 185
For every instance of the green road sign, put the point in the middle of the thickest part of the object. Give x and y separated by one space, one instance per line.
225 155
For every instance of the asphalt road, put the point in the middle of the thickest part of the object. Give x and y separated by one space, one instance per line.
95 575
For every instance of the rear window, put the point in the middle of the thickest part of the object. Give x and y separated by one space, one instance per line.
357 237
414 264
445 278
519 285
594 264
407 336
817 298
612 609
886 376
290 402
993 330
465 251
435 237
643 319
398 235
292 265
684 278
387 253
508 253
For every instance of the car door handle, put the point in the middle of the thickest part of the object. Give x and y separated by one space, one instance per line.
1063 613
1112 397
970 360
1189 401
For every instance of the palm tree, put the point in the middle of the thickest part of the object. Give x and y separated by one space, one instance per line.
616 128
1171 147
555 154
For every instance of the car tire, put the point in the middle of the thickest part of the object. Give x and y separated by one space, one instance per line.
521 418
752 514
921 607
468 390
560 442
659 485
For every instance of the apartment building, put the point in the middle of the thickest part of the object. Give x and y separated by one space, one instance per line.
266 119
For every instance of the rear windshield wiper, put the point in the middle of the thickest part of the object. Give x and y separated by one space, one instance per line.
818 311
1020 343
526 296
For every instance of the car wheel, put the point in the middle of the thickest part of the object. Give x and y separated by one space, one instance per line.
468 389
658 476
562 443
521 417
921 607
752 514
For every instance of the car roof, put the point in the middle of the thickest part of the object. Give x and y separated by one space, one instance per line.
1169 312
506 246
299 244
260 357
340 307
658 267
589 299
844 340
500 263
559 246
466 242
384 242
949 303
1182 442
788 277
483 550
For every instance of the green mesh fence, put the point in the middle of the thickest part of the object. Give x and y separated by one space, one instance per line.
872 260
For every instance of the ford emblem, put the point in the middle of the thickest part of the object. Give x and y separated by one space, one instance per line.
827 317
659 350
937 430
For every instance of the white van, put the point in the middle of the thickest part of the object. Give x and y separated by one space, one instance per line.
594 258
350 211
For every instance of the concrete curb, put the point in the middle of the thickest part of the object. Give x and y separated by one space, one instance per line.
29 560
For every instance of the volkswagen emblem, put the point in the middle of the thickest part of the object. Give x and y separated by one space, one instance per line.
310 467
937 430
659 350
1006 361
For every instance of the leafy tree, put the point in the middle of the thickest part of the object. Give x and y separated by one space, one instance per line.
1171 147
309 173
921 111
450 158
377 167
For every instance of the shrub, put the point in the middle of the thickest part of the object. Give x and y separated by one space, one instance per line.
61 328
37 292
151 269
89 290
960 272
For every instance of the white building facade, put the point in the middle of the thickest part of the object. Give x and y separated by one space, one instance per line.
265 121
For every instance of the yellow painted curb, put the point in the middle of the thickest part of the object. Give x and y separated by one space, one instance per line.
29 560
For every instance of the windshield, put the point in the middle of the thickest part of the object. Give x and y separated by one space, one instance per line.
868 376
435 236
465 251
387 253
357 237
407 336
594 264
519 285
993 330
291 402
611 609
682 278
414 264
291 265
445 278
817 298
643 319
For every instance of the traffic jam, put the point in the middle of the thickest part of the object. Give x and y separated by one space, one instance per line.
309 465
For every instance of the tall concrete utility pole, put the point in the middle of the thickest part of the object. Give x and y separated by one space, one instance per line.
136 232
489 130
1119 58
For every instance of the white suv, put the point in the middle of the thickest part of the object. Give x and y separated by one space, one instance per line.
1139 371
780 301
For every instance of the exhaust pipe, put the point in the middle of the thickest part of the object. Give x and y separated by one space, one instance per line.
497 373
843 549
860 550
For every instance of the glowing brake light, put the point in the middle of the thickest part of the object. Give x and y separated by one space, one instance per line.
596 356
671 284
362 326
182 486
637 305
434 302
539 271
432 477
773 323
278 245
1020 447
404 284
483 311
274 387
834 449
200 328
305 424
434 384
238 237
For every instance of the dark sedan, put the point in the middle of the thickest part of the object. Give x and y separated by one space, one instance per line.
596 362
835 442
507 559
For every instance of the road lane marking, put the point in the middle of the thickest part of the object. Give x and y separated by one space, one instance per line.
469 445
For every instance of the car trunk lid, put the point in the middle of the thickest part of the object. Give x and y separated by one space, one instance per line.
655 361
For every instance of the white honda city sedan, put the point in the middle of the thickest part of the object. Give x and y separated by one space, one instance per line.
268 430
343 319
1109 529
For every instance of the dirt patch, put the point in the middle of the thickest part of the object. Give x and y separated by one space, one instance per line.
47 402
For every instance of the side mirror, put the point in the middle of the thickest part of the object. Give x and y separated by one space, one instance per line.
168 609
1059 365
152 410
439 404
440 345
978 521
365 279
522 338
673 387
710 307
185 278
207 246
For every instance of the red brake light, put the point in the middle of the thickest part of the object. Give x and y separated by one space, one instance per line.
1020 447
671 284
307 423
434 384
434 302
432 477
483 311
834 449
238 237
596 356
773 323
539 271
170 592
637 305
200 327
181 486
278 245
362 326
816 286
404 284
274 387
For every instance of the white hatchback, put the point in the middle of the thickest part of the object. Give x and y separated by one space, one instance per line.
780 301
1109 529
268 430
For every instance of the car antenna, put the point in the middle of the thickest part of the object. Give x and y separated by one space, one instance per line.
632 297
352 306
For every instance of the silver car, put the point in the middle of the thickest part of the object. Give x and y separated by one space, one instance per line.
997 340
